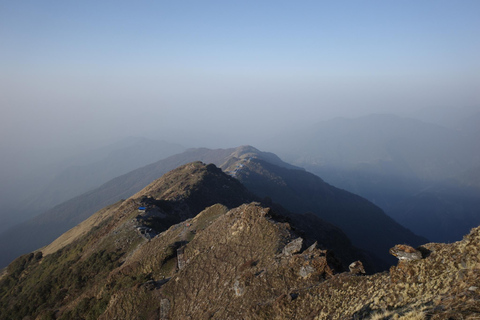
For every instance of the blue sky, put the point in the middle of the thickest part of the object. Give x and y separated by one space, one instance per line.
80 71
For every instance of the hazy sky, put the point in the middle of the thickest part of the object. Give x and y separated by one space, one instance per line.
80 71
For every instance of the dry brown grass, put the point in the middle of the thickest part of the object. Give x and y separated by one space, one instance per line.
81 229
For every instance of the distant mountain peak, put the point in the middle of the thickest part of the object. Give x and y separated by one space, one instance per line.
246 152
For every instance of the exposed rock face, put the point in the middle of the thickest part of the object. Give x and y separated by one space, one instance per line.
316 263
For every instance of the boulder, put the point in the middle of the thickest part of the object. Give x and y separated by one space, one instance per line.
405 253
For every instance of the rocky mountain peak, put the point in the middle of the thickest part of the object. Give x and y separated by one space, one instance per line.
199 184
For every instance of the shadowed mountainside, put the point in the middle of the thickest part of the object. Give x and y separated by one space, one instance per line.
421 174
364 223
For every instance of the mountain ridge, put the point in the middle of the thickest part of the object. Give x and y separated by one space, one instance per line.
245 262
78 209
181 193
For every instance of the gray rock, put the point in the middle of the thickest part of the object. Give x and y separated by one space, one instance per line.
305 271
312 247
239 289
293 247
356 267
405 253
164 309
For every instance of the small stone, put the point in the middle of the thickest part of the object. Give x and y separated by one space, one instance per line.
164 309
356 267
473 288
239 290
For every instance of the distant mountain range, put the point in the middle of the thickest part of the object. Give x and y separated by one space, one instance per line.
423 175
383 143
44 186
262 173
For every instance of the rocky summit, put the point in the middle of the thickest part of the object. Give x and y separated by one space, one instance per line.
196 244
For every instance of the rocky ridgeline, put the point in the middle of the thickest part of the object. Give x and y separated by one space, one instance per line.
230 260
